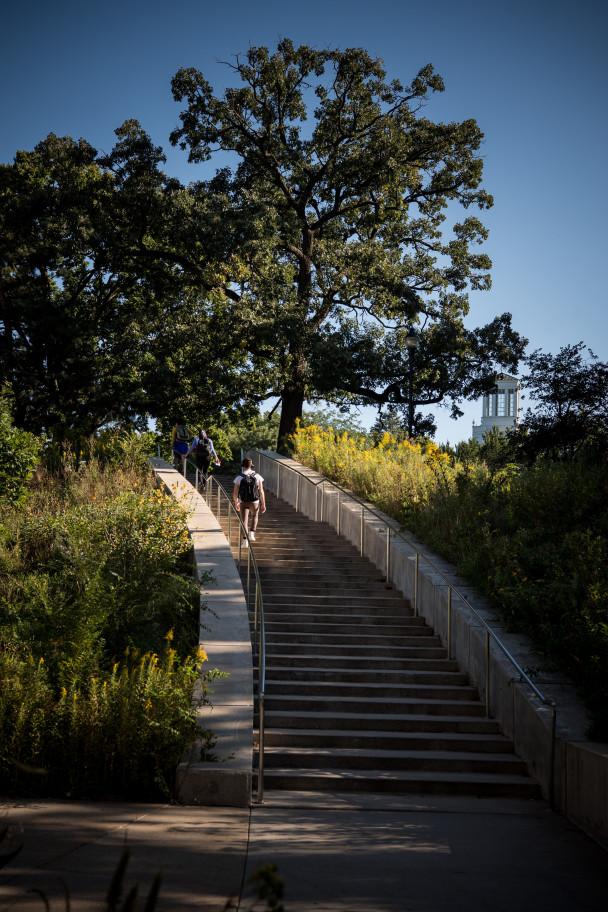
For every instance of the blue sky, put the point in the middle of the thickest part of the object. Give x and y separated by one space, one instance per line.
533 74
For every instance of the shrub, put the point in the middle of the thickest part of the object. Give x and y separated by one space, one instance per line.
117 733
19 453
534 538
91 572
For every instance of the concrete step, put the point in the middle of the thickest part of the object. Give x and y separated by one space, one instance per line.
379 722
306 588
349 644
313 576
347 620
372 706
359 663
429 680
356 631
367 740
369 677
363 652
415 782
351 758
361 690
277 595
346 632
354 672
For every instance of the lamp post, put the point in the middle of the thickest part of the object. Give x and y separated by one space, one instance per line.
411 343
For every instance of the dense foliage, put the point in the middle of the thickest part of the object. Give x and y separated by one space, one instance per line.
533 538
98 632
19 453
297 273
336 210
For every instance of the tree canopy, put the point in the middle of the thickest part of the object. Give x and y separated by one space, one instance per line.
570 395
295 273
341 189
105 316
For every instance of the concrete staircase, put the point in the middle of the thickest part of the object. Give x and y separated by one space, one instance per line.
360 694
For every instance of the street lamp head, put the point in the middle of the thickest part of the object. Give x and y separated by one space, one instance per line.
411 340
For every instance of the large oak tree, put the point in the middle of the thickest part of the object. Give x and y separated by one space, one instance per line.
342 186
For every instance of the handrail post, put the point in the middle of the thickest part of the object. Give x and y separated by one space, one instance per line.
298 494
339 511
416 575
248 578
229 526
322 499
449 622
388 553
185 466
260 742
552 801
487 656
255 608
316 502
362 528
278 479
219 505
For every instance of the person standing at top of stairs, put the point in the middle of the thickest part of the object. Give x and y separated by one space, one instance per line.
204 452
249 496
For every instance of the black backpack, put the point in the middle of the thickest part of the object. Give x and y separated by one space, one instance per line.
249 490
203 447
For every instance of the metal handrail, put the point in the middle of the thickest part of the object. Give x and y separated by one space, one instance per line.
418 554
259 625
490 634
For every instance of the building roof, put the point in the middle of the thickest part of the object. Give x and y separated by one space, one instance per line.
507 377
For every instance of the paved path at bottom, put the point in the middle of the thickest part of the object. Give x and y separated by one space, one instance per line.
335 853
200 853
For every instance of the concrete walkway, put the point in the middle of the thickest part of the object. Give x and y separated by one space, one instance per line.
335 853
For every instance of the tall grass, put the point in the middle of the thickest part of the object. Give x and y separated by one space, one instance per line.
98 634
534 539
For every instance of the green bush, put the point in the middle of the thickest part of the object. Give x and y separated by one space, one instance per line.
118 733
535 541
533 538
95 565
19 453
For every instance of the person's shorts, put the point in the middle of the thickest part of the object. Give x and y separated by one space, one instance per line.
180 447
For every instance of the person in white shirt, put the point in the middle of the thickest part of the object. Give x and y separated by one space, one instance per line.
249 496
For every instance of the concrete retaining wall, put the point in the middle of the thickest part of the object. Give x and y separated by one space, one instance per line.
572 772
224 634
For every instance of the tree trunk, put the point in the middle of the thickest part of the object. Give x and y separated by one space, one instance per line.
292 397
292 402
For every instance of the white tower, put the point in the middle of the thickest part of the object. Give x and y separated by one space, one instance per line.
500 407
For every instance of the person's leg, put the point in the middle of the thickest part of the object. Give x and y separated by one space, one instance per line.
255 514
245 515
202 475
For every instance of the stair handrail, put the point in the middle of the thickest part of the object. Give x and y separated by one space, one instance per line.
259 625
490 633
